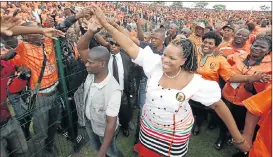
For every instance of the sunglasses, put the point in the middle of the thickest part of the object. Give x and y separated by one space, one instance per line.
183 32
114 43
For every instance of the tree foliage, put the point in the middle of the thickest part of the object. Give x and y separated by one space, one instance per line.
219 7
159 3
177 5
265 8
201 4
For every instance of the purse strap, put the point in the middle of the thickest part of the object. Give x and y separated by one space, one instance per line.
37 85
33 96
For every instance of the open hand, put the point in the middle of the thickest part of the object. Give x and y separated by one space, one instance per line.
85 13
7 22
94 25
52 33
99 14
266 78
259 77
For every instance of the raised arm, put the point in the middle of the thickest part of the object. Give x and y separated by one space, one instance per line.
125 42
23 30
68 22
100 40
140 35
224 113
83 42
7 22
125 32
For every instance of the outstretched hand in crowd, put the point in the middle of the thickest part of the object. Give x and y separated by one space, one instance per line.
260 77
52 33
93 24
86 13
8 22
99 14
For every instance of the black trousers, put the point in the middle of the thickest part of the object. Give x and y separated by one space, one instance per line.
138 125
125 112
200 112
65 122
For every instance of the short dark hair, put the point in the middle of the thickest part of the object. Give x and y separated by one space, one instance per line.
161 31
212 35
266 38
250 26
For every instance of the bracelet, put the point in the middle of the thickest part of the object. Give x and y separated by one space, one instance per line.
237 143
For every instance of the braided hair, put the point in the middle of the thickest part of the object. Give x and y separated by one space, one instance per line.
266 38
188 52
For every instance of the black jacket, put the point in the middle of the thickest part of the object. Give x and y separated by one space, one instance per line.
167 39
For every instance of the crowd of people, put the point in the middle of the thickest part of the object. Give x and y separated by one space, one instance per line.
177 65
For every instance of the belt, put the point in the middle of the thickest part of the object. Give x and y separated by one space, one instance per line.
3 123
48 94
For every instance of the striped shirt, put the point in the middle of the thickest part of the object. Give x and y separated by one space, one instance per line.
166 122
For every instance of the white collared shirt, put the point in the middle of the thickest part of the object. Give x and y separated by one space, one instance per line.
101 100
120 69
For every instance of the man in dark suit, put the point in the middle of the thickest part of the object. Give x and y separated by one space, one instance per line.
121 66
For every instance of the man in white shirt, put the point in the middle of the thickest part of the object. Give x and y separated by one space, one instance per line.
122 70
102 97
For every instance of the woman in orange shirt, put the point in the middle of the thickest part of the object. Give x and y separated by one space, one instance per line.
258 109
258 61
212 65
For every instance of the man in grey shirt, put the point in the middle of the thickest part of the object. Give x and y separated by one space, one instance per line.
102 97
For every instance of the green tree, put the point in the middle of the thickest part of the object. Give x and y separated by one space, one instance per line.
177 5
219 7
265 8
201 4
159 3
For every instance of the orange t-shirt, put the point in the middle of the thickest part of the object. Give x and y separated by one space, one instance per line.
197 40
251 38
214 66
235 92
229 49
223 44
260 105
32 58
260 29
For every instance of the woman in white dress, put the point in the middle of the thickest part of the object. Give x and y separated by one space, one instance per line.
167 119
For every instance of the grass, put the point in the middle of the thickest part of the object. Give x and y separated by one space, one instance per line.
199 146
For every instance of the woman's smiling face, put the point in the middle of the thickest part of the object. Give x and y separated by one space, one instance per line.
172 59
